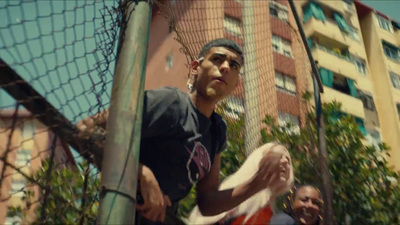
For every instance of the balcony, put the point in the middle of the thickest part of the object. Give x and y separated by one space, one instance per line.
397 36
393 65
350 105
337 6
330 60
327 33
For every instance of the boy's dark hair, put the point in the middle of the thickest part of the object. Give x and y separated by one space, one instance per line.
221 42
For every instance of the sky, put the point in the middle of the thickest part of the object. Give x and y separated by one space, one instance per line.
390 8
58 47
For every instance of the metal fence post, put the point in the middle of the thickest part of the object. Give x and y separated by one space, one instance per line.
121 153
329 215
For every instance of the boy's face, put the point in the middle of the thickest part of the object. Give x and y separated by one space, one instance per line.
217 73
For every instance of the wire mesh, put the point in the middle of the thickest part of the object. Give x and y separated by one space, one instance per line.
65 51
57 61
276 71
275 76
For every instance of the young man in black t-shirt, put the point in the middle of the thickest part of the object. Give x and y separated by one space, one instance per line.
182 138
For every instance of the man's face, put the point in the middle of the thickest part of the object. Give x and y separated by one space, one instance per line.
217 73
307 205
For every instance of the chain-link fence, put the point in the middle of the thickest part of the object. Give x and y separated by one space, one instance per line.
57 62
276 71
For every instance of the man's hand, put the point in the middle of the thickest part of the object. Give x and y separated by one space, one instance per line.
268 171
155 203
95 127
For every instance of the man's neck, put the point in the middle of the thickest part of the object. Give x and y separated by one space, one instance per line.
204 105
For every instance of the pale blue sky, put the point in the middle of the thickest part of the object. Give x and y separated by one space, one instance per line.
56 46
390 8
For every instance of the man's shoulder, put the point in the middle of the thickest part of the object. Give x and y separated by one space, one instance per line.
282 219
166 96
219 120
166 91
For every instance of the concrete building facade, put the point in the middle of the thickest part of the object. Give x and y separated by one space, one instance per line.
25 147
349 46
381 36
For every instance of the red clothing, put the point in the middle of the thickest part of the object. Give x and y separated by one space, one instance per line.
262 216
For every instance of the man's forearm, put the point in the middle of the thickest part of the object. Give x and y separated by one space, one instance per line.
215 202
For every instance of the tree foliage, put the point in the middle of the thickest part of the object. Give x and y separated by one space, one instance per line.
365 188
69 199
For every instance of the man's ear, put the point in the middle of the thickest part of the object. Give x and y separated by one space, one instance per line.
194 67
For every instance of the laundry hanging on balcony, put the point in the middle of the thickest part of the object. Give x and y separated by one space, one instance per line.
326 77
313 10
352 87
341 22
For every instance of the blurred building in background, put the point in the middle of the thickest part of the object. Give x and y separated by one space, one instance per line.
356 49
276 66
381 36
25 146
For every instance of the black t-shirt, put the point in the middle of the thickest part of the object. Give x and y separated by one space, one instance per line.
178 143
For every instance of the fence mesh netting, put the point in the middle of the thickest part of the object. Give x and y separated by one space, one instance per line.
57 62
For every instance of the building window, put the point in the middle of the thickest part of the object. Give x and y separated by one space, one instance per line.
353 33
360 65
398 109
23 158
373 138
367 100
232 25
391 51
289 121
384 23
281 46
169 61
278 10
395 80
17 187
285 83
28 135
28 130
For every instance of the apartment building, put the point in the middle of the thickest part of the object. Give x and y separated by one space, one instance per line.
381 36
275 58
26 146
339 34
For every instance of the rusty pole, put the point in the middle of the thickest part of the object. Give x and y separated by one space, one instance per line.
121 154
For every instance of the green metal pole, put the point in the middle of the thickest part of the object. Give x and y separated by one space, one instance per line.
121 153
